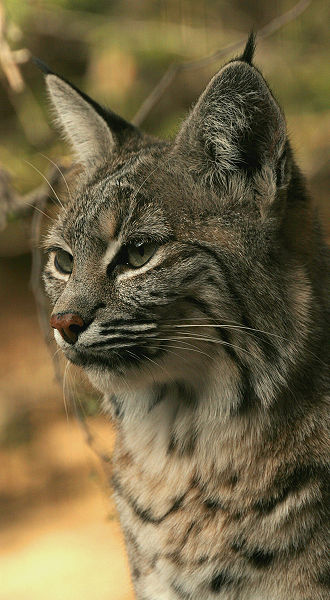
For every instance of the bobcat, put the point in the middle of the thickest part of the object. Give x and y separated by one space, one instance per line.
189 281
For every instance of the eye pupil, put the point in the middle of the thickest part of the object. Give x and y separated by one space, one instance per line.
63 261
139 253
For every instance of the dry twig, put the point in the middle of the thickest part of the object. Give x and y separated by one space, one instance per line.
9 59
176 68
104 457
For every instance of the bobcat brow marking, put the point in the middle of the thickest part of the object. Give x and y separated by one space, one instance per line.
110 253
55 241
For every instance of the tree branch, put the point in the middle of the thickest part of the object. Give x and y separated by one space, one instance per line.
176 68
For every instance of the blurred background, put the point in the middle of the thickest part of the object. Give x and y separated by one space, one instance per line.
59 533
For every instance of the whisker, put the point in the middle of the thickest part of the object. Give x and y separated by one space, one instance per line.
174 353
72 396
39 210
145 181
68 364
56 352
61 172
225 326
221 342
140 361
106 345
157 364
248 330
187 346
45 178
182 340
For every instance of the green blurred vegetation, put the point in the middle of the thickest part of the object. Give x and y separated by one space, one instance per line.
118 50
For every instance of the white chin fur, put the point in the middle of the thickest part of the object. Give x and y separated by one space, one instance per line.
59 340
105 382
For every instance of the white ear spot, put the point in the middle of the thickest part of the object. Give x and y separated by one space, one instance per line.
88 133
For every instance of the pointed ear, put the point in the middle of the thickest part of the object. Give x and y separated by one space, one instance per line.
236 125
92 131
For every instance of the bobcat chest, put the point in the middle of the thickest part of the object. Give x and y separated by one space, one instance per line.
170 514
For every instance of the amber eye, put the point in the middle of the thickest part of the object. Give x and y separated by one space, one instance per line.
63 261
138 254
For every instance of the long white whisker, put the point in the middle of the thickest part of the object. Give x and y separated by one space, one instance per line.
230 327
174 353
56 352
182 340
61 172
158 365
248 330
39 210
64 390
145 181
45 178
214 341
139 360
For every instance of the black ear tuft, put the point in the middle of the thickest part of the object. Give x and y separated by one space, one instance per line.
249 49
42 66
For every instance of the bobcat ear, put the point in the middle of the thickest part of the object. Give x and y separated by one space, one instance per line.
236 125
92 131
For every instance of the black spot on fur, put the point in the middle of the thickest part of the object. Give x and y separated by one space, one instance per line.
117 407
179 591
237 546
159 395
233 480
183 447
145 514
220 581
286 485
212 504
259 558
324 578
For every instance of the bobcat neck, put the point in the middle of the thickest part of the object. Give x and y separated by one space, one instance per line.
177 483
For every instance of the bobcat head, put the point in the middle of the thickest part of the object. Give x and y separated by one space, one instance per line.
184 260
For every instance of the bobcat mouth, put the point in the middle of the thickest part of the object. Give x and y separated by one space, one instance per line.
119 343
129 356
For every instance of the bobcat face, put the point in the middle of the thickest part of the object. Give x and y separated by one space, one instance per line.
125 269
172 261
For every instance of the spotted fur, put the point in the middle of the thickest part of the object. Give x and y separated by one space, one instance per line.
212 356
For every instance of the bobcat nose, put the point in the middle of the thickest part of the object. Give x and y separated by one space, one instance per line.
70 325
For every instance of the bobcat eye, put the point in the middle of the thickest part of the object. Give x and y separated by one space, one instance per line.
63 261
139 253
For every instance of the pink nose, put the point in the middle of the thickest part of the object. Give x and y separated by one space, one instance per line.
69 325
